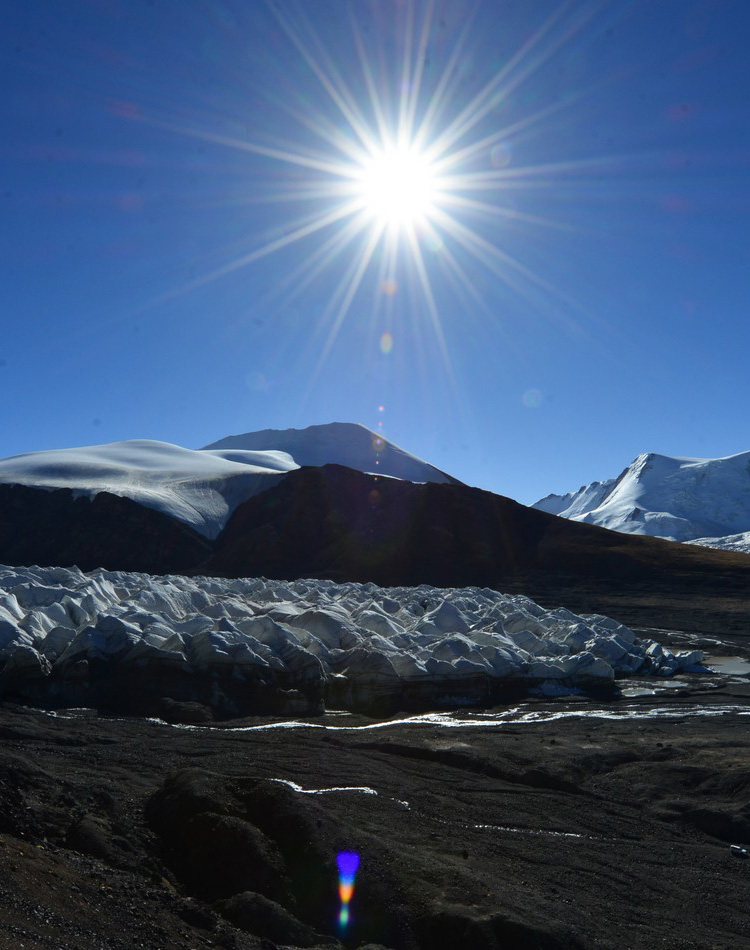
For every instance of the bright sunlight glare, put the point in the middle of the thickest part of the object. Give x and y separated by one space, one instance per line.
398 187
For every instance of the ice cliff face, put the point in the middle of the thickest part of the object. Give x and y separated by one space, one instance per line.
139 644
681 499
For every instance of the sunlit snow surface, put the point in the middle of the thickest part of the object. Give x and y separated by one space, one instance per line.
309 631
739 543
339 443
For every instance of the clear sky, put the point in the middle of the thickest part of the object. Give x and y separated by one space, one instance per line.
512 234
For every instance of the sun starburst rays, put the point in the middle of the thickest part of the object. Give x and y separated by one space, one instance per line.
390 171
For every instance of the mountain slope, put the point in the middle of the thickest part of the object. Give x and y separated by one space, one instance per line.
681 499
52 527
336 523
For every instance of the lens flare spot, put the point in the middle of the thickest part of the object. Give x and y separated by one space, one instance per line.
378 444
386 343
130 202
674 204
680 111
532 399
500 155
388 287
434 242
258 382
374 499
348 863
123 109
345 892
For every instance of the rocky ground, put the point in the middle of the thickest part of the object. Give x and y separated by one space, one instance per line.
570 832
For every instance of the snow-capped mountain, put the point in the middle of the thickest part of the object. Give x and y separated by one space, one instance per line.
201 488
739 543
705 501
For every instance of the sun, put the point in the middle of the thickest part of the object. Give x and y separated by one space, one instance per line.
397 187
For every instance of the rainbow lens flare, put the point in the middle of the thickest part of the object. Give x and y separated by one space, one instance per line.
347 863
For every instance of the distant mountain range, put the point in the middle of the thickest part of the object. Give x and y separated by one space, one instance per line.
703 501
342 502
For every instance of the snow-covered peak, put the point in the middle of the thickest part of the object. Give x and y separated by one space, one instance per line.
585 499
681 499
339 443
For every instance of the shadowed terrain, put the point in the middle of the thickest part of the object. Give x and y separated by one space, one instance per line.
578 831
569 833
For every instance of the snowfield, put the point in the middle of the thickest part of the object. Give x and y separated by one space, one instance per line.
739 543
337 443
354 644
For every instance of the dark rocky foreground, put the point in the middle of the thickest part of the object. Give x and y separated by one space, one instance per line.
576 833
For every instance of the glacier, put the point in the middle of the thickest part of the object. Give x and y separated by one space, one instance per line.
143 644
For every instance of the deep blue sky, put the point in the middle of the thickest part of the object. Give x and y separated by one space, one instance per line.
611 320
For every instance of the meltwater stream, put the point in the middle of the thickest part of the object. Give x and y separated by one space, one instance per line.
524 714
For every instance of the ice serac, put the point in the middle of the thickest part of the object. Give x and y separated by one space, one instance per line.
150 645
680 499
337 443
